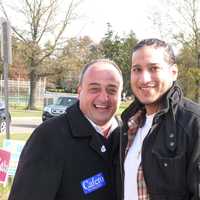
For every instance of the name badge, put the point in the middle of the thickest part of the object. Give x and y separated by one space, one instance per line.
93 183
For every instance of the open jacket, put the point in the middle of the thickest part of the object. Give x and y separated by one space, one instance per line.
65 159
170 151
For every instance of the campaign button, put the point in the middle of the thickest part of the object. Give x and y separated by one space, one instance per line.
93 183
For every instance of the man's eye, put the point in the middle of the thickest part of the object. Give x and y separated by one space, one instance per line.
135 69
112 91
94 90
155 69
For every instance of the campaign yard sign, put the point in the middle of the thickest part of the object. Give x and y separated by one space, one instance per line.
4 164
15 148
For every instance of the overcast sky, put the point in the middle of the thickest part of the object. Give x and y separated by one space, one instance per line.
123 15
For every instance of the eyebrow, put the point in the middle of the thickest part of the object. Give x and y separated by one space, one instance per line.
109 85
94 84
138 65
153 64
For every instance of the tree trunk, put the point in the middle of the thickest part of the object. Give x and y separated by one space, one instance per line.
33 85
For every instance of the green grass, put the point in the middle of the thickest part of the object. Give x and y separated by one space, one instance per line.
123 106
25 113
22 112
15 136
4 191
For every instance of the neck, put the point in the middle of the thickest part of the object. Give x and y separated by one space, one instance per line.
152 108
105 126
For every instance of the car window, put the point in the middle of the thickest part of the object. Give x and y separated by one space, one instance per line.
2 105
66 101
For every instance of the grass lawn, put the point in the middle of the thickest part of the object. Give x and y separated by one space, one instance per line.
15 136
4 191
123 106
22 112
25 113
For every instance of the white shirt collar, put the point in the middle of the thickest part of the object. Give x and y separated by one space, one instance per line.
113 126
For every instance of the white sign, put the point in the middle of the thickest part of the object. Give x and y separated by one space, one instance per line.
15 148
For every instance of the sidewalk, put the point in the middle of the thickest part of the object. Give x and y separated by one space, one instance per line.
24 124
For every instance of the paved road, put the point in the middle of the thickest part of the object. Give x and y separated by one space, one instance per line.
24 124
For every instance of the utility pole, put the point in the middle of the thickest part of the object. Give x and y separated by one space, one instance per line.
6 54
198 81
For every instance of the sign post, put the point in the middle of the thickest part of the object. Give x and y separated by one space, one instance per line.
6 54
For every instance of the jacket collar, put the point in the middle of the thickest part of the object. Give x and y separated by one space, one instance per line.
80 126
171 98
168 109
168 101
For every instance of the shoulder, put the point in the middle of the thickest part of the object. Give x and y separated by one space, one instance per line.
189 108
48 136
52 125
188 117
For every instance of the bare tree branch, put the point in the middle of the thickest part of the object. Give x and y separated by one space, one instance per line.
40 20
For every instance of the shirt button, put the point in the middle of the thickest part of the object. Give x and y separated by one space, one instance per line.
171 135
172 144
165 164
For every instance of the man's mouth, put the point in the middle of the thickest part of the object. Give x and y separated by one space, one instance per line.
147 87
101 106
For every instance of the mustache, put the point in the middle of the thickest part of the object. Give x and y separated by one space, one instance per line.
146 85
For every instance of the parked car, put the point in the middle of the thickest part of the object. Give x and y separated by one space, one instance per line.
59 107
3 117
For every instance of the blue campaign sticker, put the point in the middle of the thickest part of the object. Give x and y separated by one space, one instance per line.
93 183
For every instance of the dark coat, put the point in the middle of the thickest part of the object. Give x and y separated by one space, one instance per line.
63 158
171 150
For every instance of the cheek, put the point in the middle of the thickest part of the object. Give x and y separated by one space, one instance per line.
116 100
135 79
85 98
132 77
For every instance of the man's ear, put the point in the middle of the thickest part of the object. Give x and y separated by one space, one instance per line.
174 70
79 90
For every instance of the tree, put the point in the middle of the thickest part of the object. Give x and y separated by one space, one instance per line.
41 20
18 69
119 49
75 54
181 22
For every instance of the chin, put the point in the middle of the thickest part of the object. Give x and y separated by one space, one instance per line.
148 101
100 123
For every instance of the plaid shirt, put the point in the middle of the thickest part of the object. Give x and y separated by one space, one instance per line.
142 188
134 123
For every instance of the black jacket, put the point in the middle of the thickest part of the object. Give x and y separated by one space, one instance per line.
171 150
65 159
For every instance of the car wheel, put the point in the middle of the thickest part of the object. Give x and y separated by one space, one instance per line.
3 126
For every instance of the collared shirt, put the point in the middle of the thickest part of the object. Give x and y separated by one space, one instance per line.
142 188
133 161
113 126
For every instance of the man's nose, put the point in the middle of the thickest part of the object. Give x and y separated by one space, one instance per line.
103 95
145 76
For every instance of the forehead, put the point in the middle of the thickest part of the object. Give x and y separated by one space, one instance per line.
102 73
149 54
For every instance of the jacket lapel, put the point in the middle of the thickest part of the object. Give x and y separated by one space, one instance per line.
82 128
98 145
